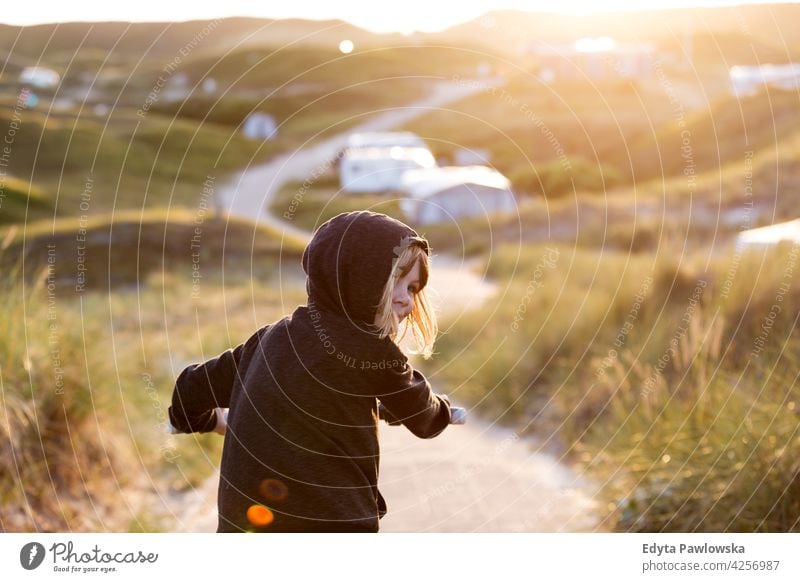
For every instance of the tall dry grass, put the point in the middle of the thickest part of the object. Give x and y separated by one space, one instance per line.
85 382
673 386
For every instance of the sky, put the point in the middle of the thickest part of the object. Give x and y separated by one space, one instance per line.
405 16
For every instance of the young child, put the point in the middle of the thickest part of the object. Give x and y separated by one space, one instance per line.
301 446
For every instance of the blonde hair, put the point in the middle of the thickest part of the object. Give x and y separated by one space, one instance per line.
422 319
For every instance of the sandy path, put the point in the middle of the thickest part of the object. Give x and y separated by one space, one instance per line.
475 477
478 478
471 478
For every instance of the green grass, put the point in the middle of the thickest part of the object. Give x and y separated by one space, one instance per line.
309 206
712 450
20 199
526 123
131 163
89 163
303 115
605 139
109 251
715 137
271 66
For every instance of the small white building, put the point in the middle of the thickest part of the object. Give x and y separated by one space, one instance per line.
440 194
472 157
41 77
209 85
770 235
380 169
260 126
750 80
596 58
385 139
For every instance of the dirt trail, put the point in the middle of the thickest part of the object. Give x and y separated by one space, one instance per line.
471 478
475 477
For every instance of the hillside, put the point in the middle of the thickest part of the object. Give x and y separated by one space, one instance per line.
100 317
717 136
771 28
56 43
19 199
118 160
109 251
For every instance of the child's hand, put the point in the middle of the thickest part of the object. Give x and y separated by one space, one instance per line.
458 415
222 420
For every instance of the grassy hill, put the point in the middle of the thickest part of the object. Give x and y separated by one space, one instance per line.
308 90
88 374
532 128
19 199
119 160
107 251
136 145
54 44
717 136
761 27
562 140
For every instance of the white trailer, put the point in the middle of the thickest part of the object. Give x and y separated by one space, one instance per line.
380 169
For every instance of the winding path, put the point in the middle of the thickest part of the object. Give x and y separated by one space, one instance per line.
471 478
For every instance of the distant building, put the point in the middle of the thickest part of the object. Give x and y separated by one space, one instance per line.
770 235
101 109
472 157
380 169
750 80
40 77
385 139
179 80
440 194
260 126
209 85
596 58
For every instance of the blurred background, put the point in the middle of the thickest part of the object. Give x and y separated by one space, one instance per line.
620 190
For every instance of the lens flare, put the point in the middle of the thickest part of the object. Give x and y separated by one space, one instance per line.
259 515
274 490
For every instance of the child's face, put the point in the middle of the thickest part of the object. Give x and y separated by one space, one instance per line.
404 291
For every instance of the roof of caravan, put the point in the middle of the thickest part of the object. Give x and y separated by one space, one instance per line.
385 139
772 234
423 156
427 182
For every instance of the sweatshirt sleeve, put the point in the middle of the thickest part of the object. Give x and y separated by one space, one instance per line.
407 396
200 388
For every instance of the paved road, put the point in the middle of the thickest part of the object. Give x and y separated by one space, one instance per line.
471 478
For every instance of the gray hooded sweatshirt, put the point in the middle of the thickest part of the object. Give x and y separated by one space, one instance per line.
301 450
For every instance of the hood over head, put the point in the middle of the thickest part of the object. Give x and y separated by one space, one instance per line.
349 260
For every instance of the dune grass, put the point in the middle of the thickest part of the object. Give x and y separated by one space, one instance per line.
86 377
108 251
672 385
308 205
87 164
20 199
